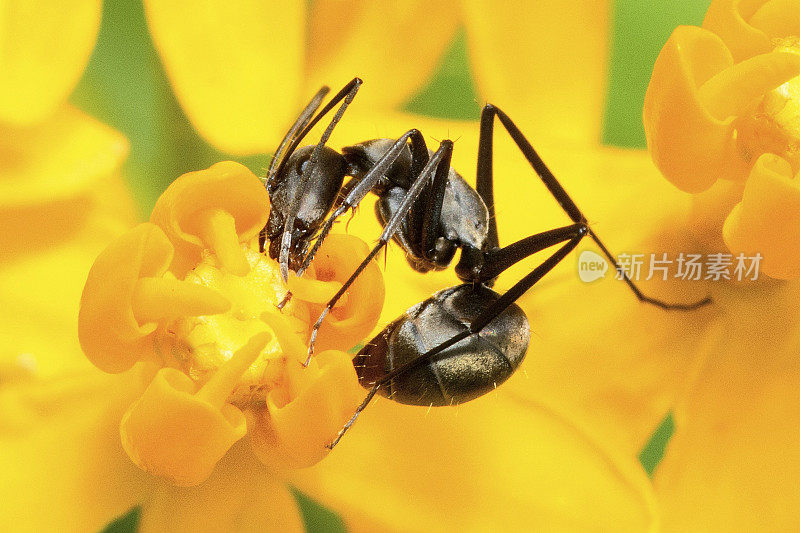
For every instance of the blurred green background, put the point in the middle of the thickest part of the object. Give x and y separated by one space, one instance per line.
125 86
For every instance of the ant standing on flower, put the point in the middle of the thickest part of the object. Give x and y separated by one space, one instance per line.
462 341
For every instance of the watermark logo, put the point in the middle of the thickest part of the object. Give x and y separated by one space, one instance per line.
591 266
684 266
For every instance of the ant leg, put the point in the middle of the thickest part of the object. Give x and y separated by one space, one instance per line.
347 94
419 158
476 325
561 196
496 261
484 183
428 223
439 162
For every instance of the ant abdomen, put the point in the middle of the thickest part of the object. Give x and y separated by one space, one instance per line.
462 372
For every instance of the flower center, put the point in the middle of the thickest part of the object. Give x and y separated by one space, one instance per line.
774 126
199 345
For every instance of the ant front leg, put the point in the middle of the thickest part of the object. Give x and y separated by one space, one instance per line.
358 191
439 163
484 187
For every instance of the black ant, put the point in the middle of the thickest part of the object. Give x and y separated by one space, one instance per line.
463 341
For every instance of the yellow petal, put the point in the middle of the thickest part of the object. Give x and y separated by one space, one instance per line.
172 433
351 320
732 463
181 211
690 146
60 158
739 89
64 466
778 18
109 333
491 464
218 228
240 495
297 426
732 21
543 63
767 220
394 48
596 352
235 67
46 251
43 50
155 299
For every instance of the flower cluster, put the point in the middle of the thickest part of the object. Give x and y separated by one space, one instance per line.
188 299
724 104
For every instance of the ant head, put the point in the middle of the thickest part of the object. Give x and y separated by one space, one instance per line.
310 187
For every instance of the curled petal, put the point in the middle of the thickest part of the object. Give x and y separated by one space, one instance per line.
192 213
298 425
767 220
351 320
110 335
235 66
315 291
156 299
172 433
690 146
778 18
747 26
739 88
43 50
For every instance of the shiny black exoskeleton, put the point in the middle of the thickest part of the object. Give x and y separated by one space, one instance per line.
314 206
458 374
306 183
463 341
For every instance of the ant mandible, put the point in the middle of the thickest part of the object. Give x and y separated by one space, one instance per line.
465 340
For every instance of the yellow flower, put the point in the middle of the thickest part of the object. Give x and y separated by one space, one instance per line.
721 115
512 458
513 46
61 200
130 298
724 105
190 292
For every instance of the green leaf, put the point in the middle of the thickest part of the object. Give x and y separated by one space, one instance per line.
317 518
451 92
127 523
653 451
